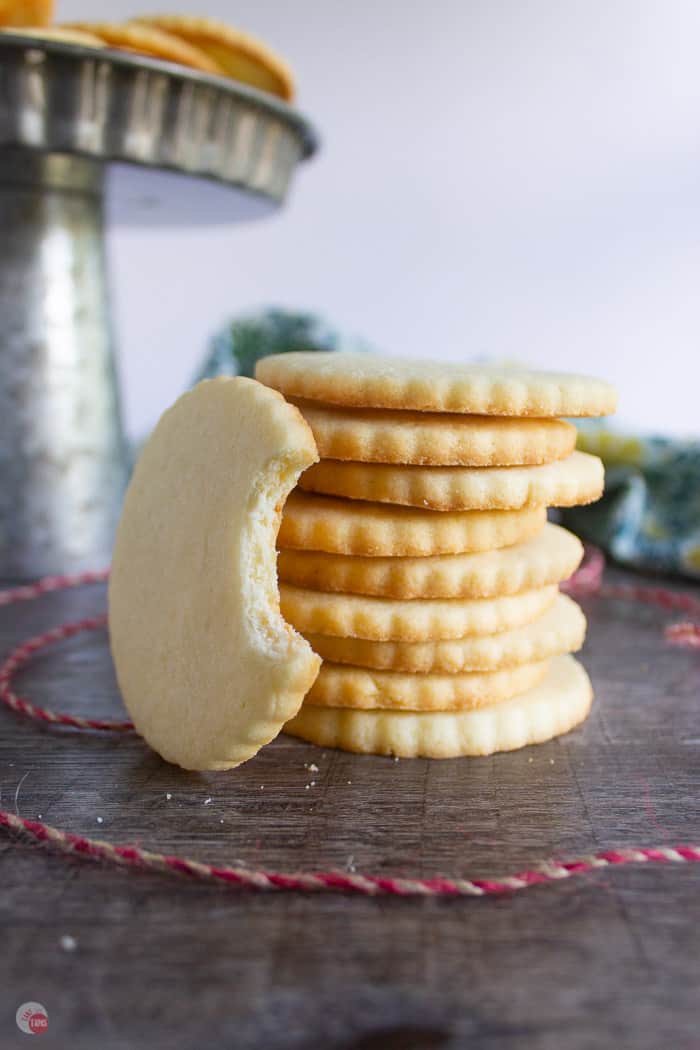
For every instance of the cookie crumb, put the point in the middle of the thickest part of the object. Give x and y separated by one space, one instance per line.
313 768
68 943
551 761
207 801
351 863
349 781
168 795
100 820
529 759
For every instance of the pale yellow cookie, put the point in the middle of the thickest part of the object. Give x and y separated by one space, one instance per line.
58 33
343 526
561 629
239 55
373 435
419 620
551 556
144 40
554 706
26 13
208 669
569 482
364 689
373 381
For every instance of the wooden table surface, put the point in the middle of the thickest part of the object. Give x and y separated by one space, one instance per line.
608 959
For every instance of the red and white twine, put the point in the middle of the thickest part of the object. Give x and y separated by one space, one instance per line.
314 882
587 581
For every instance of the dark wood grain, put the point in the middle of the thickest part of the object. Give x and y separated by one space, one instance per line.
610 959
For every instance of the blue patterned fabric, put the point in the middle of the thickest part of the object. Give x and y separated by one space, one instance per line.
649 516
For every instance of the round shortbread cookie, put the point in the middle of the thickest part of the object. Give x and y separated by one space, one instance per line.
208 669
561 629
26 14
343 526
551 556
419 620
372 435
373 381
238 55
145 40
560 702
360 688
569 482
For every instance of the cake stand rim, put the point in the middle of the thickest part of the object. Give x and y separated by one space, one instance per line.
309 135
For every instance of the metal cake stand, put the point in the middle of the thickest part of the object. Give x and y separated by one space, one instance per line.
165 145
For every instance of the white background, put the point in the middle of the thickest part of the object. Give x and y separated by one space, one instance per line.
508 178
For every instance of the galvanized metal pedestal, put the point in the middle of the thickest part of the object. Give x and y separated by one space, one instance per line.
68 116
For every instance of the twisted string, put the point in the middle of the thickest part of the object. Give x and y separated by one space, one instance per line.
49 584
588 580
22 654
317 882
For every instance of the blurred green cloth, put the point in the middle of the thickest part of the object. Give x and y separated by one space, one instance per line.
649 516
235 349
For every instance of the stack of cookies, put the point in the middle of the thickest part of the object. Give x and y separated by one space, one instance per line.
417 559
